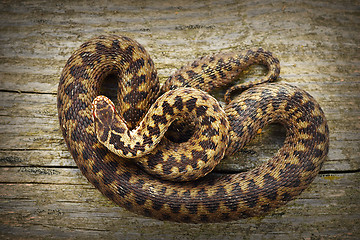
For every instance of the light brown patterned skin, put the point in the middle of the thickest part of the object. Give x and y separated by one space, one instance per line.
212 72
214 197
184 161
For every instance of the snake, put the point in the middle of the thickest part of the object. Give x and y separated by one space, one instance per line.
214 197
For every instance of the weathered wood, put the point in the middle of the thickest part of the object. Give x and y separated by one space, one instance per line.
43 194
75 209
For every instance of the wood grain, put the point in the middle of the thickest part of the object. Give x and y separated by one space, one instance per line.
43 194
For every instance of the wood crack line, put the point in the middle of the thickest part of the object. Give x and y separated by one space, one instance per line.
27 92
217 172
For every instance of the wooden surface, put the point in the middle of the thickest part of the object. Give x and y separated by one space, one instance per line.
43 194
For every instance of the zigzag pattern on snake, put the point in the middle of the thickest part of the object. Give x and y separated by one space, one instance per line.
211 198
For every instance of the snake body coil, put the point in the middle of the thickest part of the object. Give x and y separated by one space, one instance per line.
214 197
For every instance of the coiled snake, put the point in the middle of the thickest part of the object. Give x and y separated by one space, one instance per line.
211 198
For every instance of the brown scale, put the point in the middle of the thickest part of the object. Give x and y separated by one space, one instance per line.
212 198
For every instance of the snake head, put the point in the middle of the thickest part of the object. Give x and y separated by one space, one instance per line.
103 114
110 128
103 110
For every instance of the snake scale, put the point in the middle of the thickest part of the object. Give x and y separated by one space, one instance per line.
214 197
